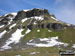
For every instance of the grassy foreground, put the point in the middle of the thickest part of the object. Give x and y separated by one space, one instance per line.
28 52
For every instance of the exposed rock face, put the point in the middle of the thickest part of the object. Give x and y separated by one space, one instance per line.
30 26
19 27
43 25
20 15
23 27
39 26
49 26
35 12
4 21
57 26
7 29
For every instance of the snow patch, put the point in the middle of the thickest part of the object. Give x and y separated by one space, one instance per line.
38 17
26 10
14 14
69 24
38 30
34 53
44 39
2 26
28 31
35 23
16 36
12 26
49 31
73 46
54 18
31 40
18 55
50 42
65 45
2 33
23 20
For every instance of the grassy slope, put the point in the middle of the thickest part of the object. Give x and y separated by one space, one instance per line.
42 52
65 35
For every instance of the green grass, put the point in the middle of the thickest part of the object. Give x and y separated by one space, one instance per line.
26 52
42 34
65 35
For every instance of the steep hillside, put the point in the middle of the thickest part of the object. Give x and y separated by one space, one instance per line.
35 28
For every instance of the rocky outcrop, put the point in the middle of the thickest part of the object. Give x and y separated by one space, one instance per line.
5 19
49 26
57 26
43 26
54 26
30 26
20 15
34 12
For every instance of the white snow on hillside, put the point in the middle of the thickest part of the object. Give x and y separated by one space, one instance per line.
38 30
26 10
54 18
2 26
16 36
12 26
49 31
38 17
2 33
50 42
23 20
73 46
34 53
28 31
69 24
14 14
31 40
35 23
18 55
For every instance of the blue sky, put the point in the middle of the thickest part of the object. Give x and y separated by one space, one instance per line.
63 9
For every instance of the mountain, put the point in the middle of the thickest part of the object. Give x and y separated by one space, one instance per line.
35 28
